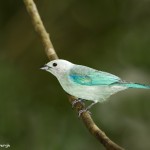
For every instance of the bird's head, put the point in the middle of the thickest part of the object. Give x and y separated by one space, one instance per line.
58 67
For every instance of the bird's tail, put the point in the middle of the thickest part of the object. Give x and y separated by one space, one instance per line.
136 85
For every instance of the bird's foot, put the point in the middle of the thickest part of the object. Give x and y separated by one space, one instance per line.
82 111
76 101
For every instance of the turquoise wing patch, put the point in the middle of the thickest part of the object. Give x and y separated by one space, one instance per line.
87 76
84 80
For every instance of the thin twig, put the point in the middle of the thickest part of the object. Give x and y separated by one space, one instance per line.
50 52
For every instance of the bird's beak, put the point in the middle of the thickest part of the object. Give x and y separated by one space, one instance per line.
45 67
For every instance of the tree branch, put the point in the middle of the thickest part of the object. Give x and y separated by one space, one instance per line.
50 52
40 29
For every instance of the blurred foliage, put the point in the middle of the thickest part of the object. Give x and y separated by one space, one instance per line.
109 35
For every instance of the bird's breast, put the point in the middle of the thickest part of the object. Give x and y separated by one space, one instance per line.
93 93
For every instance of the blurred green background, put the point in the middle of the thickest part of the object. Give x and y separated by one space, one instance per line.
109 35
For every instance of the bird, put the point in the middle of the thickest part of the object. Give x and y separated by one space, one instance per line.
86 83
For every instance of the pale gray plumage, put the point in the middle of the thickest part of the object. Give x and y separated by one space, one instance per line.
87 83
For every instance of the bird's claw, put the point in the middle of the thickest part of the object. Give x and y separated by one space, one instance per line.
82 111
76 101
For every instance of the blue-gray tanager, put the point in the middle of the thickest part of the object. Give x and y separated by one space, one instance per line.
86 83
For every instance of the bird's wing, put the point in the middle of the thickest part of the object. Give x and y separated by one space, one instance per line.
87 76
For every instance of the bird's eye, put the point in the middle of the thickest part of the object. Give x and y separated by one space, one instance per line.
54 64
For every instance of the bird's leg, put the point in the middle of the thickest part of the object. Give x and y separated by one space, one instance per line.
76 101
86 109
91 105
